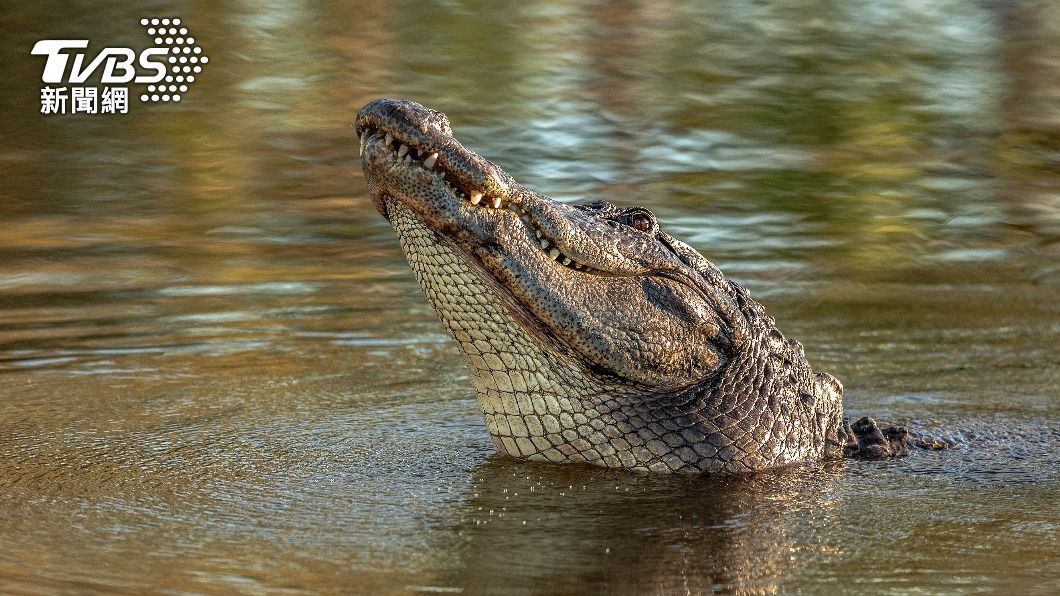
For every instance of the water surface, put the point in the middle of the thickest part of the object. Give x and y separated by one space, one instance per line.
217 373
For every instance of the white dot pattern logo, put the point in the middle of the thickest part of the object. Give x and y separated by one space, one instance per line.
183 52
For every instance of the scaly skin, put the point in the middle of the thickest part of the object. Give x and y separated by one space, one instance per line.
591 334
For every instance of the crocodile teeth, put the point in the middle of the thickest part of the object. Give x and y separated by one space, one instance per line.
538 233
496 201
544 243
553 253
565 261
389 139
402 150
364 138
429 162
475 198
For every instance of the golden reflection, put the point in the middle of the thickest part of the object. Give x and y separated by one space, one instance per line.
1028 150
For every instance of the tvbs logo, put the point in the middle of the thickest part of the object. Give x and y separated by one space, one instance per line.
167 68
117 63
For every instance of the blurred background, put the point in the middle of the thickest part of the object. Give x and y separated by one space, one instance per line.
217 372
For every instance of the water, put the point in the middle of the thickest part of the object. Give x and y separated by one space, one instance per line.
217 373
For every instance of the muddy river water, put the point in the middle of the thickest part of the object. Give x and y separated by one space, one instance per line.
217 373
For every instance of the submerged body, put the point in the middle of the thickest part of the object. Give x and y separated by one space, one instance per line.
591 334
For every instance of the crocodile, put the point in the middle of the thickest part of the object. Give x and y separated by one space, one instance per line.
590 333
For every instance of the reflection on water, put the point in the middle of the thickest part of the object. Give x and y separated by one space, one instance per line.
217 373
649 535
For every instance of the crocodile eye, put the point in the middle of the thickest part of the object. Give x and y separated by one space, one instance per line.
637 218
641 222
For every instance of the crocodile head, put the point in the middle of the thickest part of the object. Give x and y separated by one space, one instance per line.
591 334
